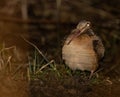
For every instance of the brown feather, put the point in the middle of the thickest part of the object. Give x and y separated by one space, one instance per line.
83 51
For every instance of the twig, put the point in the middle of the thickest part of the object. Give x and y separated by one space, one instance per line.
28 73
18 68
8 63
97 71
7 48
44 66
36 49
9 58
1 62
112 68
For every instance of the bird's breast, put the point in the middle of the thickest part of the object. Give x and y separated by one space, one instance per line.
79 54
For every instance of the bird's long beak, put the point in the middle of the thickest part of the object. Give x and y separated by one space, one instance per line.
76 34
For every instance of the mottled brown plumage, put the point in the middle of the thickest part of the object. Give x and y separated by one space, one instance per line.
83 49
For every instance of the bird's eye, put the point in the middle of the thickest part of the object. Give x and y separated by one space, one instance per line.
88 24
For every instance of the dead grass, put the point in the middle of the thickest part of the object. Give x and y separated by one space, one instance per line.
12 82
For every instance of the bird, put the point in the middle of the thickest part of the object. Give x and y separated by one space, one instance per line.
83 49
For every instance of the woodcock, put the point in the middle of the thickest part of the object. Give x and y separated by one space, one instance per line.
83 49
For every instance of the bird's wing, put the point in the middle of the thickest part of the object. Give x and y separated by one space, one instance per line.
98 47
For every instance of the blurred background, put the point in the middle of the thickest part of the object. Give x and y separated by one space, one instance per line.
46 23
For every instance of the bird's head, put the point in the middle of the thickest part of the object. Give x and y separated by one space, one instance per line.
81 28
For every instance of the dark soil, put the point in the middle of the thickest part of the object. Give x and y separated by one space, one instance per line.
74 86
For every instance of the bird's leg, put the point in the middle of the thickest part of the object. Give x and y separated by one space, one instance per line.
91 74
